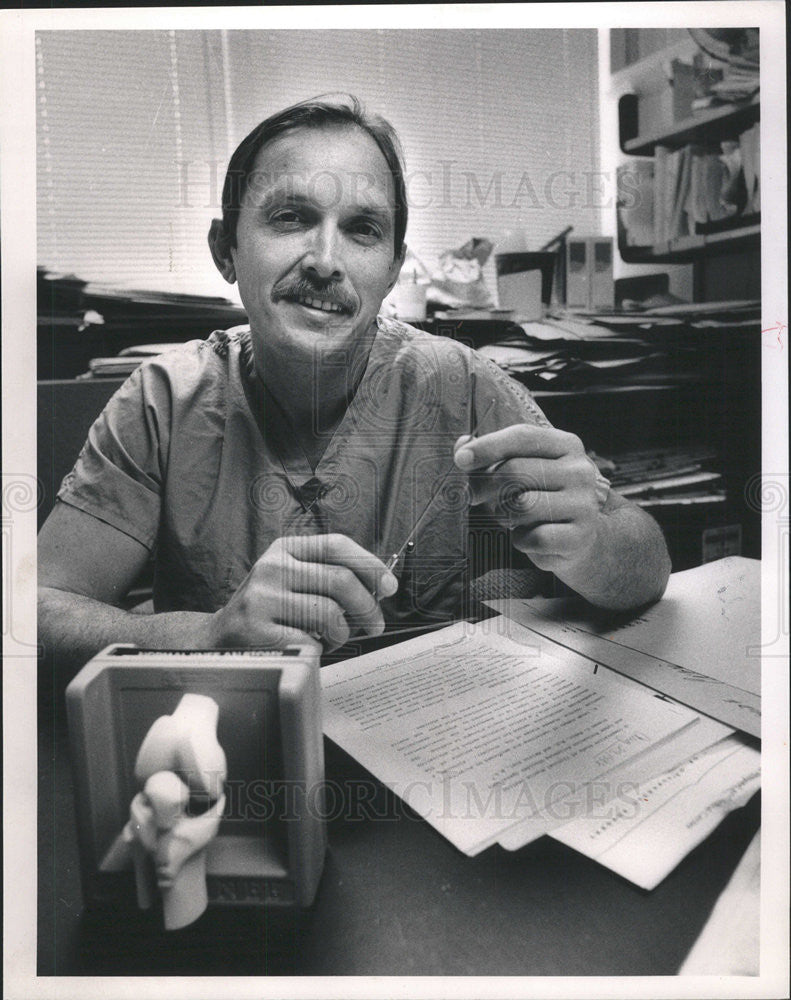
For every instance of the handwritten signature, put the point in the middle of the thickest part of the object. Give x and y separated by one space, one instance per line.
778 330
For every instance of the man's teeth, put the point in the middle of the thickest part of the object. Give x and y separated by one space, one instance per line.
319 304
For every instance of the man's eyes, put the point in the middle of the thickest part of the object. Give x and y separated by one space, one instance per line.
291 218
366 229
285 217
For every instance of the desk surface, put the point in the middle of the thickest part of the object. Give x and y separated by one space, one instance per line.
395 899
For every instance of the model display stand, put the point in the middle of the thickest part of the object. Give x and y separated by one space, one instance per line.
271 839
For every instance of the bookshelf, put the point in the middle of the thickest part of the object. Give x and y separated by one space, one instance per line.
687 249
657 108
689 161
711 125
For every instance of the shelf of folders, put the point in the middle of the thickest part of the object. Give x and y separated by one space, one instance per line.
658 477
692 193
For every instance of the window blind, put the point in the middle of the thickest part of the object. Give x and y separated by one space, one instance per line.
124 118
499 128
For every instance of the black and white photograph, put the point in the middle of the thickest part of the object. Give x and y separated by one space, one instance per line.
395 501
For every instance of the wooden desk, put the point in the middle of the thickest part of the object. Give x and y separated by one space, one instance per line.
395 899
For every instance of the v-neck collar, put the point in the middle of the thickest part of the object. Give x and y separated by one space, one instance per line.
297 467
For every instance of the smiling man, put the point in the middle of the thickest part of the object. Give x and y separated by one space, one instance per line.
274 468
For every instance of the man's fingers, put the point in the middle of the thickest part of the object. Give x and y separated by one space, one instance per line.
340 550
323 617
500 485
340 584
517 441
318 615
531 476
333 615
548 541
517 508
304 588
255 631
283 635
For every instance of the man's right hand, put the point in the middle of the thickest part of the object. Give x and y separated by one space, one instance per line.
301 589
305 588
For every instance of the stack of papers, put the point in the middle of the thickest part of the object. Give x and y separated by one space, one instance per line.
700 644
644 838
498 734
480 730
565 354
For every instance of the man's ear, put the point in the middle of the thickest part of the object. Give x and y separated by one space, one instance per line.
220 246
395 270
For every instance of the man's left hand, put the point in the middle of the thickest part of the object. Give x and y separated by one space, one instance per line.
539 483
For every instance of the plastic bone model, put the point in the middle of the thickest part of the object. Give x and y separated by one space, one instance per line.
179 757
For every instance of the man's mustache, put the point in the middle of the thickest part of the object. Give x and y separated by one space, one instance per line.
304 288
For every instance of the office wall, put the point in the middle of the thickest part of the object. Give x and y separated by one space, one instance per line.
500 130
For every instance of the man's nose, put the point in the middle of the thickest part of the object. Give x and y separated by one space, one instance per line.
324 256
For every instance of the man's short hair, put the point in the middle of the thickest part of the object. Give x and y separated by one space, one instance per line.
326 109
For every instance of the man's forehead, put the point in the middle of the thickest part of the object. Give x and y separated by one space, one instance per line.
322 164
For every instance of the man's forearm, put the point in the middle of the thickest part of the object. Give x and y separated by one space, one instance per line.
74 628
627 566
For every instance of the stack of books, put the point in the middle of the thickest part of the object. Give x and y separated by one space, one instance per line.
690 191
750 149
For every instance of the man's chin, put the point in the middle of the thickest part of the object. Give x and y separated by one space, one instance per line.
299 329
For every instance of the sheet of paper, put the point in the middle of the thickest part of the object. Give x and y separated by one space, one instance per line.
644 836
583 327
511 355
699 644
478 730
692 308
543 331
639 319
621 779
